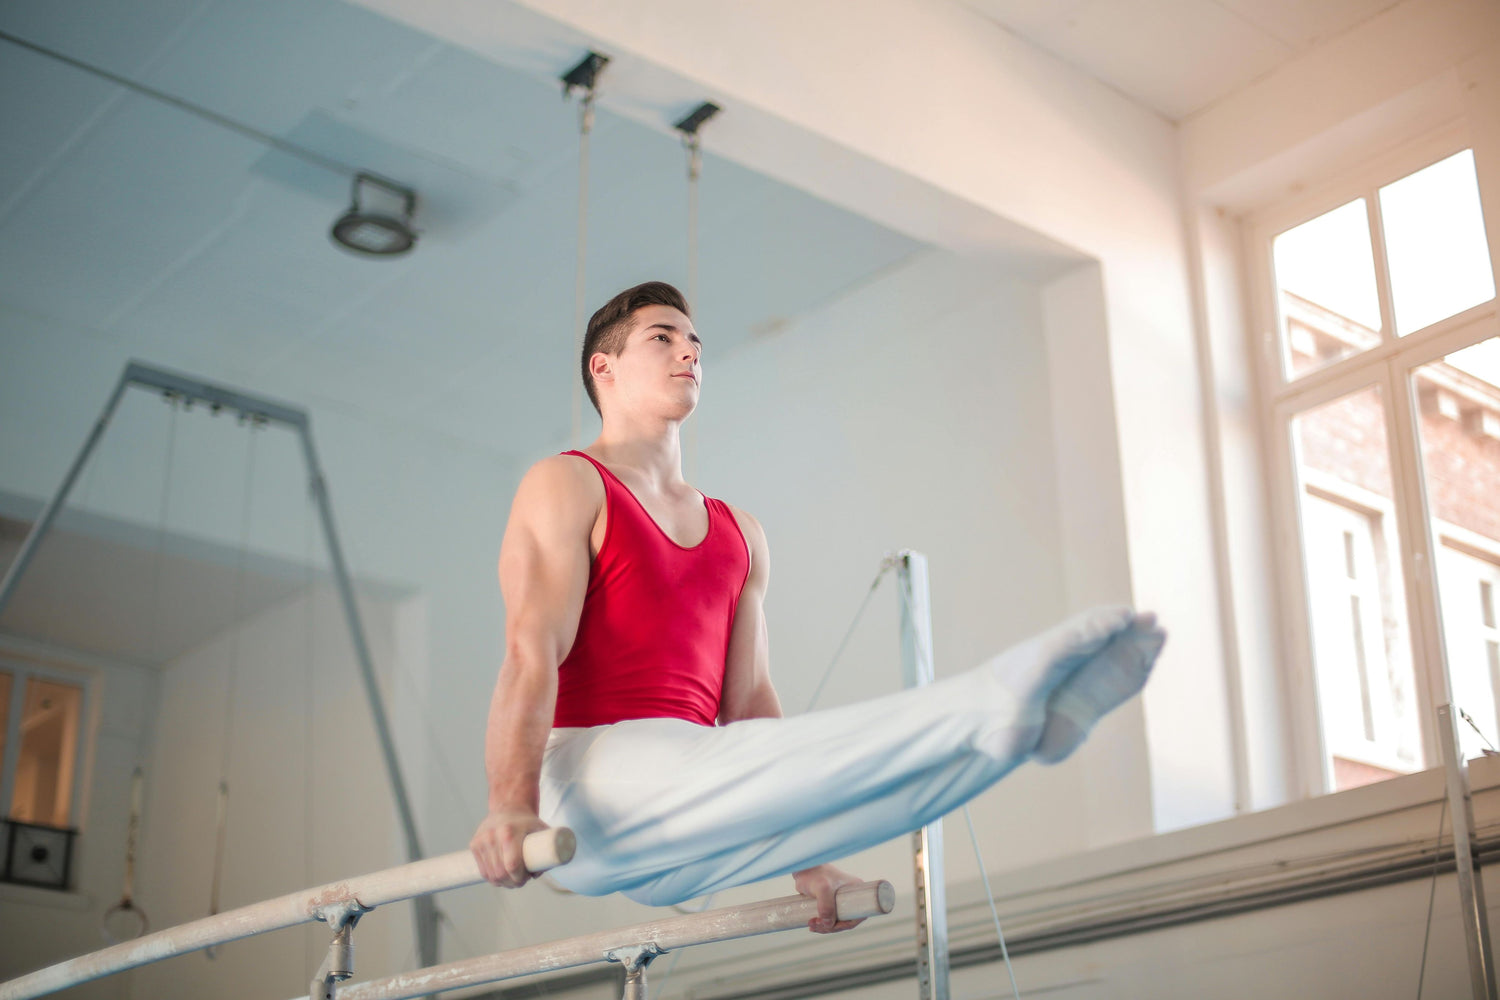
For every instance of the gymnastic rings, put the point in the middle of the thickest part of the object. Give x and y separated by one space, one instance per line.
125 921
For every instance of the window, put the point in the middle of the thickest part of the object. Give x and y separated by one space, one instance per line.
1383 380
40 751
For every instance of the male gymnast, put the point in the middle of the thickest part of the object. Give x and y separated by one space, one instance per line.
635 702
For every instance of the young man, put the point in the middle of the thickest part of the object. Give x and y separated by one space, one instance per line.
635 703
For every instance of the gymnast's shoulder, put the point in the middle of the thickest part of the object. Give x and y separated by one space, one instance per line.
755 535
561 480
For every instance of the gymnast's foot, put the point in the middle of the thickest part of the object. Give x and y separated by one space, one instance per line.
1115 673
1033 670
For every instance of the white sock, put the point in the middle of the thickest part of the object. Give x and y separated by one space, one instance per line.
1109 678
1034 669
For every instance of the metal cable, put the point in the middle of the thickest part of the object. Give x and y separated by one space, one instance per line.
985 879
231 682
695 172
885 567
1432 894
154 622
309 712
585 128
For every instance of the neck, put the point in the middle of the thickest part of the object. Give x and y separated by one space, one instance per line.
653 449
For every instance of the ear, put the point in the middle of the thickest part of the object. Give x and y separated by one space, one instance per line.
601 367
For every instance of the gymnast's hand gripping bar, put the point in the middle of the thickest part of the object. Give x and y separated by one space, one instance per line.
854 902
543 850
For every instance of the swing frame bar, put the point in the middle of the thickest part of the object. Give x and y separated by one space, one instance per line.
258 410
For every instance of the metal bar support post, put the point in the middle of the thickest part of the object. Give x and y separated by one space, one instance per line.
1470 885
927 843
223 398
426 908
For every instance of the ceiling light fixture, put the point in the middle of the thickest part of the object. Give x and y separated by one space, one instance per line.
378 233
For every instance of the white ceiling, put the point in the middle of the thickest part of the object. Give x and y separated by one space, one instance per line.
194 247
1178 56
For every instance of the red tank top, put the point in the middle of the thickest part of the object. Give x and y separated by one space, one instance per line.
654 632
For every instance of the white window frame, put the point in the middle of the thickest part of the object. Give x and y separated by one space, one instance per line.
21 672
1388 367
1481 549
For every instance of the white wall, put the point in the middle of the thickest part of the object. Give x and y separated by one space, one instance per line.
308 801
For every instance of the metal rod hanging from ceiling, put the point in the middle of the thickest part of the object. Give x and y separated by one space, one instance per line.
582 78
688 128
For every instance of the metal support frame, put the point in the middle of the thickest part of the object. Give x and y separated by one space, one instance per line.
635 958
218 398
1466 861
927 843
853 902
339 964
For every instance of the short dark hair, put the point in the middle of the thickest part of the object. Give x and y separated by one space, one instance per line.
607 329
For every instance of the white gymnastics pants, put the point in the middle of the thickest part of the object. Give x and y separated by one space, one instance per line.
666 810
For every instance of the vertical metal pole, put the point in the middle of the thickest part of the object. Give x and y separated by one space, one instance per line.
49 513
427 924
927 843
1470 885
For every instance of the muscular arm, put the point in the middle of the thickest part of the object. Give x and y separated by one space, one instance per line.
749 694
748 691
544 570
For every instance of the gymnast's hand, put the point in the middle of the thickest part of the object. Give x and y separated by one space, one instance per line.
821 883
496 846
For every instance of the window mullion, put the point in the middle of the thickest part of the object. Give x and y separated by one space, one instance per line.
1418 573
1310 754
1304 740
1382 268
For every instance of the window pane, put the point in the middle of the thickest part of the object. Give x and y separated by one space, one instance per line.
1434 240
1325 284
5 684
1351 554
1459 416
45 758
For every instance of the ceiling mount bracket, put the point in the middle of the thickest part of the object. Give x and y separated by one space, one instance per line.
584 76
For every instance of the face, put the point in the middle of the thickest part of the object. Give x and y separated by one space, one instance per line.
659 370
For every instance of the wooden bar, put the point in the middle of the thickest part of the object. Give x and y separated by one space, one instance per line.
855 902
543 850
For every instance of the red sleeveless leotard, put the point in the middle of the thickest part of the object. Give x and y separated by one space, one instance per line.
654 632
